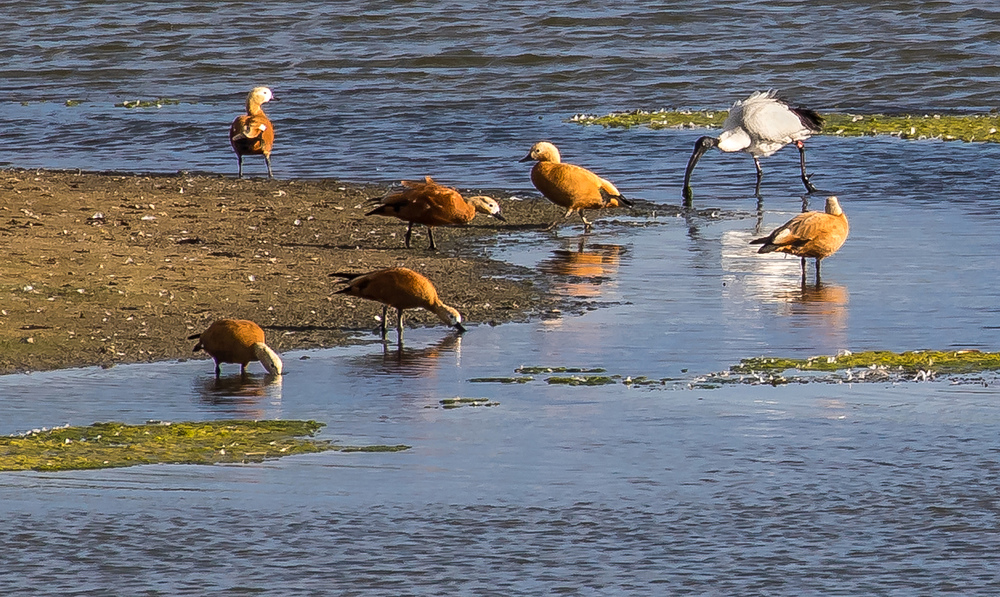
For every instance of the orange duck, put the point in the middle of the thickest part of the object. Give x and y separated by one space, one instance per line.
401 288
570 186
237 341
432 204
252 133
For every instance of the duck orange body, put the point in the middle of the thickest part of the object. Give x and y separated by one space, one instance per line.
401 288
252 133
570 186
816 234
237 341
432 204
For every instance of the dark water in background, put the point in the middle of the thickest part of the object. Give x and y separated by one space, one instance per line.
802 490
385 90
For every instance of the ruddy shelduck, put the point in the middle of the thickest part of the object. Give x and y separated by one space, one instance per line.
811 234
569 186
401 288
432 204
237 341
760 125
252 133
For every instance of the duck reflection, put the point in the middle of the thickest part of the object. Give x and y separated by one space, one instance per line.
400 360
822 306
587 268
241 396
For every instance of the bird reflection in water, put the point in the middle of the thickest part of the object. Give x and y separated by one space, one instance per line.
823 305
241 396
403 361
586 267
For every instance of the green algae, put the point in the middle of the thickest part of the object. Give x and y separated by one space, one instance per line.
964 127
501 379
588 380
910 362
537 370
153 103
112 444
460 402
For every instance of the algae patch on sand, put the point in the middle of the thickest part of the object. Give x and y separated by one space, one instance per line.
948 127
112 445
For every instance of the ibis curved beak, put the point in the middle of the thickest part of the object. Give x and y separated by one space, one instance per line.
702 145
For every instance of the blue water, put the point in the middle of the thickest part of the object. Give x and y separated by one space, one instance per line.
818 489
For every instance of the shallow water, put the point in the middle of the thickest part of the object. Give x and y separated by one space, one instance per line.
799 490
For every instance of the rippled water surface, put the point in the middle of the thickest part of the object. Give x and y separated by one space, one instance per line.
881 489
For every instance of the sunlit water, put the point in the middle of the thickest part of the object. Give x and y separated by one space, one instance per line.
799 490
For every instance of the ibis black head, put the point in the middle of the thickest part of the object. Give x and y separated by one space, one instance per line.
702 145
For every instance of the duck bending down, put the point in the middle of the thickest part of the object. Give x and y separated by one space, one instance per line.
760 125
432 204
816 234
570 186
252 133
401 288
237 341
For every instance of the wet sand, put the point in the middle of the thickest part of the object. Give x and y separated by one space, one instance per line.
106 268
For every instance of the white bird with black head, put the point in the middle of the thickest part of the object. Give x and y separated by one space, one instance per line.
759 125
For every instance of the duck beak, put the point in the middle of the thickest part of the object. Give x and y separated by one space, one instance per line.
526 158
461 328
499 217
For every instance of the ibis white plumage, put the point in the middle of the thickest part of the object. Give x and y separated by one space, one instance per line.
760 125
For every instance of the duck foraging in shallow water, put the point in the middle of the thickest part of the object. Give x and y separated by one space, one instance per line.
759 125
432 204
252 133
816 234
570 186
401 288
237 341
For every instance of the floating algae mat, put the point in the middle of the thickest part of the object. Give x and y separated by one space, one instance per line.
460 402
967 127
153 103
874 366
111 445
960 361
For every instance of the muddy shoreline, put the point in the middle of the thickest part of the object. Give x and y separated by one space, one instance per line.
110 268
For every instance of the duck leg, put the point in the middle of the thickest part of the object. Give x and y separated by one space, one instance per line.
568 213
399 326
382 326
409 233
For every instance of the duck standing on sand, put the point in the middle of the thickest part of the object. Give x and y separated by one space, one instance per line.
432 204
252 133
